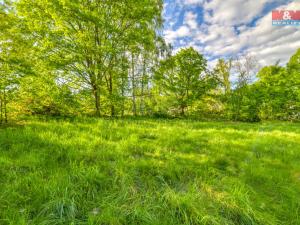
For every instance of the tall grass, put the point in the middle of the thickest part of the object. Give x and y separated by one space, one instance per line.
97 171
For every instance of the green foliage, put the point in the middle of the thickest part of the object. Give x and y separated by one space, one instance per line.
16 58
182 78
273 94
142 171
86 42
42 95
71 57
222 71
279 89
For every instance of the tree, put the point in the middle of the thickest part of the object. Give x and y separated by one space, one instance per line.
182 78
87 39
279 90
223 72
244 69
293 85
271 92
69 57
14 56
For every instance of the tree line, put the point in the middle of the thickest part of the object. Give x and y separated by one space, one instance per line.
109 58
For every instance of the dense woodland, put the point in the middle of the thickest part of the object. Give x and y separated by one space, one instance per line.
109 58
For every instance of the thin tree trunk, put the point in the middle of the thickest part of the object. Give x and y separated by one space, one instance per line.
1 108
182 110
133 87
97 101
112 107
123 93
123 83
149 109
5 104
142 103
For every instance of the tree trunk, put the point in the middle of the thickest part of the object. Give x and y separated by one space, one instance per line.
142 103
133 87
5 104
97 101
1 108
182 113
123 83
123 97
112 107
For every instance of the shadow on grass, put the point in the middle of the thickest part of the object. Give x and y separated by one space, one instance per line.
13 125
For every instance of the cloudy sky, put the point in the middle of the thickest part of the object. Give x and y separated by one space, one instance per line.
226 28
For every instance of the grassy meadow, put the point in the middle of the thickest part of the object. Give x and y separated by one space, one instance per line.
147 171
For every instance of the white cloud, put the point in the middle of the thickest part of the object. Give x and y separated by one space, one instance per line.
190 2
233 12
190 19
183 31
171 35
226 31
212 63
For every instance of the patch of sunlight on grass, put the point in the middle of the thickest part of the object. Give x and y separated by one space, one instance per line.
96 171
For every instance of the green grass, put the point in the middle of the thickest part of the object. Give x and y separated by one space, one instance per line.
144 171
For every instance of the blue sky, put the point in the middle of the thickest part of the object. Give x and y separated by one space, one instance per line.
227 28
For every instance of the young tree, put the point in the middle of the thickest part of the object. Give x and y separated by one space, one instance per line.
244 69
223 71
182 78
223 74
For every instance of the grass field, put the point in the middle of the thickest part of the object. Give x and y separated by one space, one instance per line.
144 171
